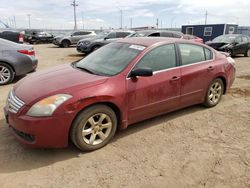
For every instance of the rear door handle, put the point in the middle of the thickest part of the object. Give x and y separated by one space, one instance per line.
210 68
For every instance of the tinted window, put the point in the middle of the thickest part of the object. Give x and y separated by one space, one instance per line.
191 54
154 35
160 58
111 35
84 33
121 34
208 54
165 34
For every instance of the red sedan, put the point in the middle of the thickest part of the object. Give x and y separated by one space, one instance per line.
120 84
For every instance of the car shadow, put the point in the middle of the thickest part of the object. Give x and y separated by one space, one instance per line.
77 55
16 157
156 120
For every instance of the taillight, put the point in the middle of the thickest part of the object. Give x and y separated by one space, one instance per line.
20 38
27 52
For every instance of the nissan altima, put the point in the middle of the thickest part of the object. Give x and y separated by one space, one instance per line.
118 85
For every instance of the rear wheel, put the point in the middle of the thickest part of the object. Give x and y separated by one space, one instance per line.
93 128
247 54
214 93
65 43
6 74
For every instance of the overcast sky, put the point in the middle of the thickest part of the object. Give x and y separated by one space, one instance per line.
58 14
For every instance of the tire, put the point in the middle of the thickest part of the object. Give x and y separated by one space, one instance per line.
65 43
98 123
6 74
247 54
214 93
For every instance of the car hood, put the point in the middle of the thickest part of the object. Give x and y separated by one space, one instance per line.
216 45
62 79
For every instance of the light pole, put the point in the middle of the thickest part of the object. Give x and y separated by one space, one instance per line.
121 12
29 15
74 5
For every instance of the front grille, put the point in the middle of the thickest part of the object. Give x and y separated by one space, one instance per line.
14 103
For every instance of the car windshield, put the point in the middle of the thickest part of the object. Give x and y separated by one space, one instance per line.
225 39
143 33
111 59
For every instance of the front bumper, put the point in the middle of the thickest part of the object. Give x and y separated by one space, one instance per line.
56 42
44 132
83 48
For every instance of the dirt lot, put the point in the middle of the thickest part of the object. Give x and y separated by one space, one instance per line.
194 147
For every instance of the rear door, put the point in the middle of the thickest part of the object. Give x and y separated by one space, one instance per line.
150 96
197 70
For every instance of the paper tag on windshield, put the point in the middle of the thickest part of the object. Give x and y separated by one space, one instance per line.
137 47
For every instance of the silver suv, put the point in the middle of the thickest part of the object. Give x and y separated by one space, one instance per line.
72 38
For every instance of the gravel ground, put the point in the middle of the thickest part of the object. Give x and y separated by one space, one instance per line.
193 147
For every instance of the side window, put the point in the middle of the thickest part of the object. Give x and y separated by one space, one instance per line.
154 35
191 53
208 54
160 58
176 36
76 33
208 31
111 35
84 33
165 34
121 34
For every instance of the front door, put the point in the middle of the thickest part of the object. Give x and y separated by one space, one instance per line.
150 96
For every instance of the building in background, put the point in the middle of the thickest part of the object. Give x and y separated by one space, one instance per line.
210 31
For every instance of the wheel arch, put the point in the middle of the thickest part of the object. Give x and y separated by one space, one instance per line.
113 106
11 66
224 83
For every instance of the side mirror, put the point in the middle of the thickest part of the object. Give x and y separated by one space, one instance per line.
106 38
143 71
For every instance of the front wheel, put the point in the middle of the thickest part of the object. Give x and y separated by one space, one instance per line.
94 127
65 43
214 93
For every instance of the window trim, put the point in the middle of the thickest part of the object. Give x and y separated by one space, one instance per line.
200 62
208 35
177 62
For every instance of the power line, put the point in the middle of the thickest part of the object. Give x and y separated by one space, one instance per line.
74 5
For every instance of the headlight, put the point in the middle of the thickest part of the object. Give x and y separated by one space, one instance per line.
86 42
47 106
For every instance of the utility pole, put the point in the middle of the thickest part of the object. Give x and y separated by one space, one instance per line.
29 15
14 18
74 5
82 20
120 16
131 23
206 18
157 23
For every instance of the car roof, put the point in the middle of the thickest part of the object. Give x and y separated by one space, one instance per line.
149 41
160 31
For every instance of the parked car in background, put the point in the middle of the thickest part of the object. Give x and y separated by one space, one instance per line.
192 38
232 43
72 38
159 33
40 37
15 60
12 35
117 85
91 44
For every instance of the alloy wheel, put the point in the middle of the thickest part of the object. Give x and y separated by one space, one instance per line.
5 74
96 129
215 92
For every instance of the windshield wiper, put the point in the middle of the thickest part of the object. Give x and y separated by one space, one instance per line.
85 69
